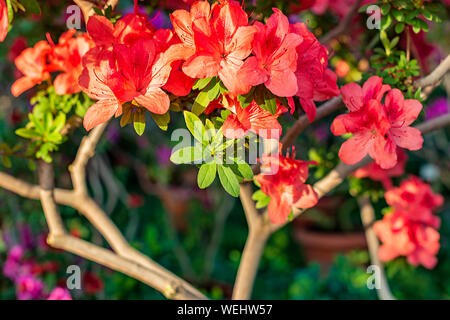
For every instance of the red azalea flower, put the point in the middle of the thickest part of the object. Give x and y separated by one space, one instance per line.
409 230
376 129
126 73
127 30
252 118
135 201
4 20
92 283
283 180
178 83
275 58
222 43
315 81
32 62
66 56
417 199
183 20
375 172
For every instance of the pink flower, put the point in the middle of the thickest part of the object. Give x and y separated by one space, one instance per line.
59 293
28 287
377 129
275 58
409 230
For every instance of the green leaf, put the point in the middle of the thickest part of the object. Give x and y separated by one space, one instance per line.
200 103
10 11
399 27
245 170
162 120
127 115
398 15
386 22
32 6
270 102
422 24
58 123
427 14
246 99
262 200
6 161
385 8
210 129
394 42
364 8
200 84
195 126
214 92
228 180
139 121
187 155
28 133
206 175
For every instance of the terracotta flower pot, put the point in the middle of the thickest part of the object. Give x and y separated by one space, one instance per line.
322 246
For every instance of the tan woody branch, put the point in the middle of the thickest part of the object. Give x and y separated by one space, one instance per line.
123 258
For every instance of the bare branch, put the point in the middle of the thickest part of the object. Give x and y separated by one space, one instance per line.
248 267
303 122
435 76
248 204
46 182
368 218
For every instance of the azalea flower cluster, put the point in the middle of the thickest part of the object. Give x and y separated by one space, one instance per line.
283 180
410 228
38 62
377 128
207 41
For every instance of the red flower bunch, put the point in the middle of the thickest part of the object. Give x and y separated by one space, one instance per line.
283 180
377 129
219 39
131 62
287 59
250 119
4 20
315 81
38 62
410 229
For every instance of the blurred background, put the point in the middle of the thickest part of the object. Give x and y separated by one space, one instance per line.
200 234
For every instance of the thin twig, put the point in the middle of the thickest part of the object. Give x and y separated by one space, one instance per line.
435 76
368 218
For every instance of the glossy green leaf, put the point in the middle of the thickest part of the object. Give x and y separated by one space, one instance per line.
162 120
206 175
228 180
195 126
187 155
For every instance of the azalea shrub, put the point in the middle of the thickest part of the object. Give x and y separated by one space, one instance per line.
205 98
